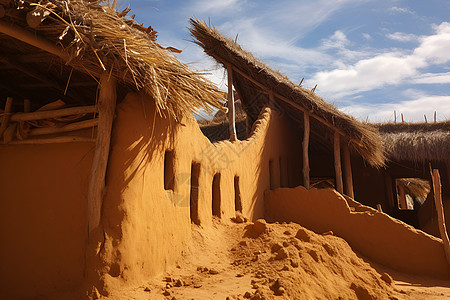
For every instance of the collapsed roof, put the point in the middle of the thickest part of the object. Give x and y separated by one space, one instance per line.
53 49
254 81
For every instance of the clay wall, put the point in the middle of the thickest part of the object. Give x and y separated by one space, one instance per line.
146 210
43 218
373 234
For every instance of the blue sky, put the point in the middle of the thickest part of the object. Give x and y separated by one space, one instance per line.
368 57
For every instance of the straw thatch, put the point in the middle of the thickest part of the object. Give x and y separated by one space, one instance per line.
417 187
362 138
96 38
420 142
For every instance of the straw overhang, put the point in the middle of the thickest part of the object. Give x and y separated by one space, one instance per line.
362 138
94 39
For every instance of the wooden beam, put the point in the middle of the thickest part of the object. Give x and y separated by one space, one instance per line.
231 108
306 151
6 115
437 189
54 140
32 39
106 108
67 128
48 114
337 163
348 173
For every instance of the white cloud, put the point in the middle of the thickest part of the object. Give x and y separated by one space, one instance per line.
432 78
337 40
367 36
401 10
412 110
387 68
402 37
216 6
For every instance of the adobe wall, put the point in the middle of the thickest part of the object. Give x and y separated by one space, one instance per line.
147 225
375 235
43 218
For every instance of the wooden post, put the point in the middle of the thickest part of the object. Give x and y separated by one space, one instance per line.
306 151
348 173
437 189
395 117
7 115
337 163
106 108
401 197
231 112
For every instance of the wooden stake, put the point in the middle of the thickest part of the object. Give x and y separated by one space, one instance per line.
435 117
314 88
402 119
7 115
348 173
231 112
395 117
437 189
337 163
379 208
301 81
48 114
106 108
306 151
425 116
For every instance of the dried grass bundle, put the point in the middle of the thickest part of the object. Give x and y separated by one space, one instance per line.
98 38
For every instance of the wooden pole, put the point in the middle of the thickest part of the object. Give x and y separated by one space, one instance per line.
337 163
425 116
7 115
32 39
348 173
306 151
106 109
48 114
435 117
231 110
67 128
437 189
395 117
54 140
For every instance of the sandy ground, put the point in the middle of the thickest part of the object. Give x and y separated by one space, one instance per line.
278 261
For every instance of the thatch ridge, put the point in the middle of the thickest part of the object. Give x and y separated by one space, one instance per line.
416 142
363 138
97 38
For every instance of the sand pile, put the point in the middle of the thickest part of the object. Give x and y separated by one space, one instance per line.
292 262
266 261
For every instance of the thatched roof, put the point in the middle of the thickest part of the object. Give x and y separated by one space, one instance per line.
86 39
362 138
419 142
